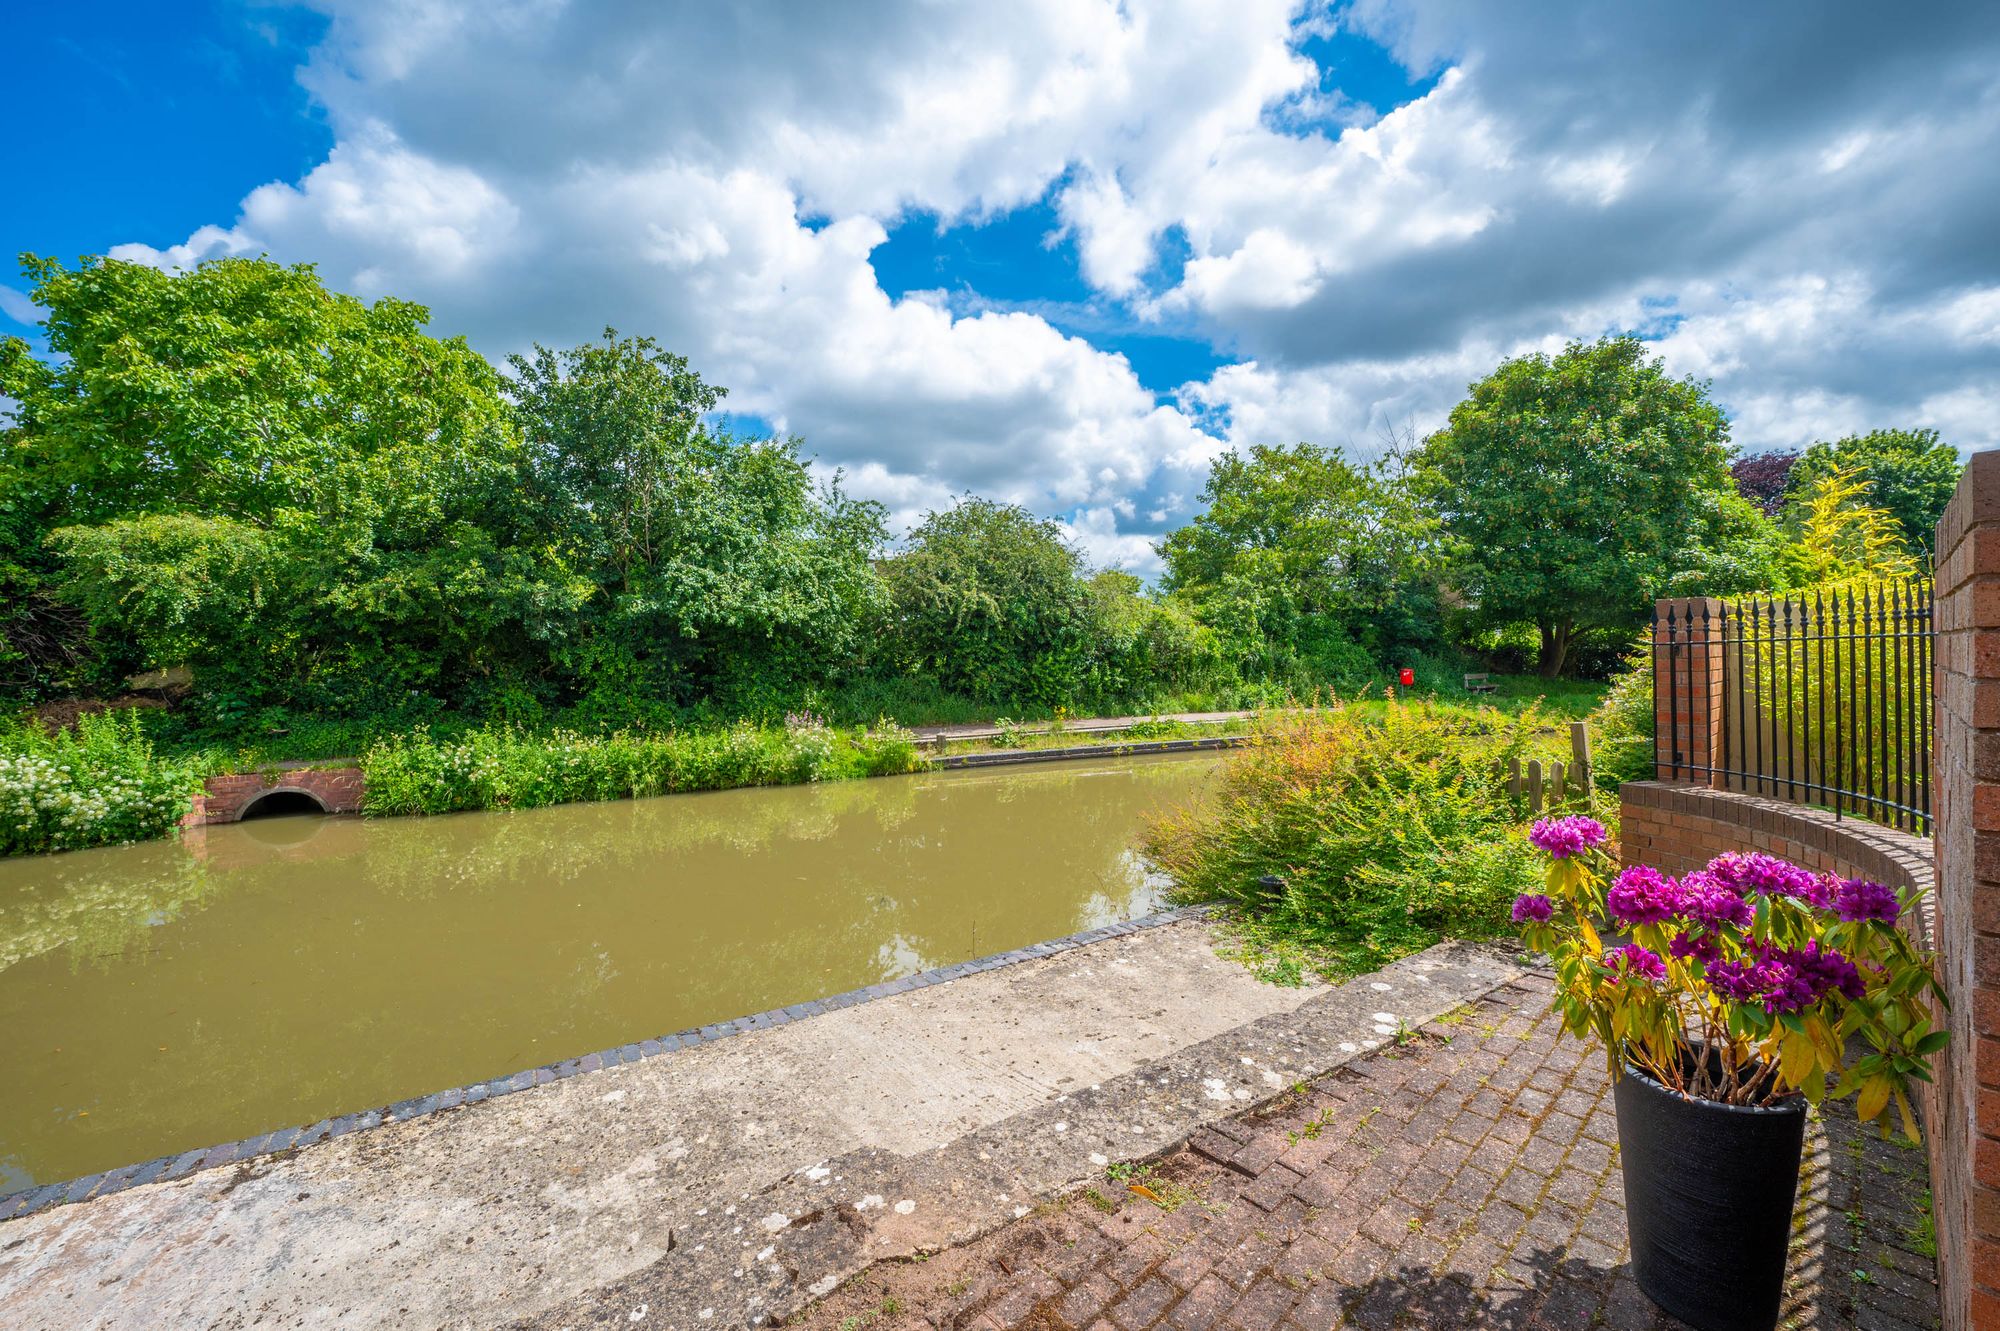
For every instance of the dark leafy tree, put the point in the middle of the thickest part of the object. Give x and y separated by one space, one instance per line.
989 600
1764 479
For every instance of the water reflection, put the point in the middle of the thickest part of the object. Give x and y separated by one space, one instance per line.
158 997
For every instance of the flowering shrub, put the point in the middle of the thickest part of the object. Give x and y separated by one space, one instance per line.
92 785
1745 982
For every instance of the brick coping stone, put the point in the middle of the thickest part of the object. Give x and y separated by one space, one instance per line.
1467 1178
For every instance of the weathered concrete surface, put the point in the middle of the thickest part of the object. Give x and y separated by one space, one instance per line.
728 1183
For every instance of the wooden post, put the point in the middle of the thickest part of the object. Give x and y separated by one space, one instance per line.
1580 765
1534 785
1558 792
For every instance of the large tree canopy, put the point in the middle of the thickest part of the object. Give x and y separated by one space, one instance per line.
241 387
237 431
1574 487
712 565
313 502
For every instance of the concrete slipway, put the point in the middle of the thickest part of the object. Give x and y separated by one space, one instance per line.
729 1183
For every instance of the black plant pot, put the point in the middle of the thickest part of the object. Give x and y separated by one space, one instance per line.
1708 1200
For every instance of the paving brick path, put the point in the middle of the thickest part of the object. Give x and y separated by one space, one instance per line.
1468 1178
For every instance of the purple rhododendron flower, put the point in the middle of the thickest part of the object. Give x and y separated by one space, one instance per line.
1858 900
1755 871
1786 979
1695 947
1638 960
1827 969
1532 907
1707 900
1643 895
1563 837
1741 981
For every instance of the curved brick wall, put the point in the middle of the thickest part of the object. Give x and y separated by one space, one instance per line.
1676 827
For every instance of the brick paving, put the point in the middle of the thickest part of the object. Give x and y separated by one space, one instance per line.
1467 1178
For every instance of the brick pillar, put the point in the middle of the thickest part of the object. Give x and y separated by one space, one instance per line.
1687 690
1963 1109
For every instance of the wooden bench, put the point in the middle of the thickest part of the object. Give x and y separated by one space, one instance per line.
1478 684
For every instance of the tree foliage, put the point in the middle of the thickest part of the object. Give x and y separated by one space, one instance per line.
1910 474
1573 488
1312 565
987 598
334 516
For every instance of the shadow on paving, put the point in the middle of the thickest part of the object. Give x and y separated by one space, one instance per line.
1468 1178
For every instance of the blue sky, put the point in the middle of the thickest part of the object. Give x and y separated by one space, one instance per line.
168 115
1065 252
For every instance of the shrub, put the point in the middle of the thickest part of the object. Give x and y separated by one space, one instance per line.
1386 833
93 785
1621 729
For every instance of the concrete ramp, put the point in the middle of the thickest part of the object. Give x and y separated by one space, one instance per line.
729 1183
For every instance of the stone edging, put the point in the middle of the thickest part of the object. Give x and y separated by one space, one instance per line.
43 1197
1011 757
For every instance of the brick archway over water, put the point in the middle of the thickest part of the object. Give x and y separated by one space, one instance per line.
231 797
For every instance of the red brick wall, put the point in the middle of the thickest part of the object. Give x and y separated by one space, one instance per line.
224 798
1687 688
1965 1135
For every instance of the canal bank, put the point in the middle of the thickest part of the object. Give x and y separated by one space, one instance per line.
283 975
737 1179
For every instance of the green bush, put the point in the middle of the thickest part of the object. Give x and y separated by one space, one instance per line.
1389 831
96 784
507 769
1621 729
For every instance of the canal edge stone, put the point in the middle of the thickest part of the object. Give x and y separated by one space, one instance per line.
170 1168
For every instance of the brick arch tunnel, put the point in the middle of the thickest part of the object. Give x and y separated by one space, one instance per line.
234 796
282 801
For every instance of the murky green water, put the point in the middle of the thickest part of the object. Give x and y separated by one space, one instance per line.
161 997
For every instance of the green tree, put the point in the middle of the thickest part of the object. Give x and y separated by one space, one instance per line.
241 387
711 565
1573 488
1303 558
1909 473
238 421
989 600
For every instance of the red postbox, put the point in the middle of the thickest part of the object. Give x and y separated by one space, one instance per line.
1406 677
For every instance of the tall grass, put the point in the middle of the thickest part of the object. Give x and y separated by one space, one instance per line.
1389 831
509 769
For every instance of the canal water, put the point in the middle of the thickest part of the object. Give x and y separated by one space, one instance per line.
161 997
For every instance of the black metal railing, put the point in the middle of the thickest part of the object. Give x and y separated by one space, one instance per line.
1824 697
